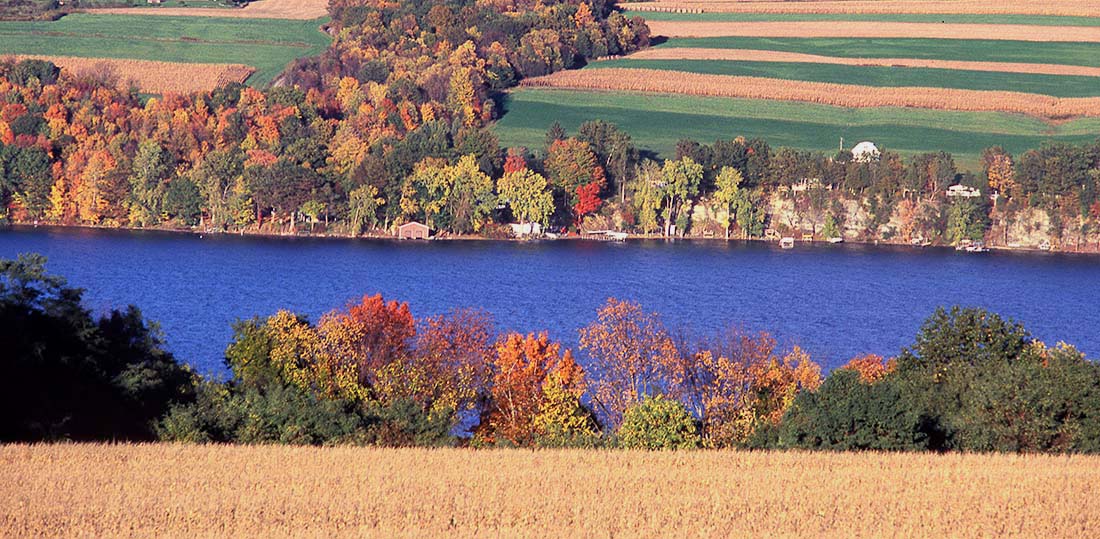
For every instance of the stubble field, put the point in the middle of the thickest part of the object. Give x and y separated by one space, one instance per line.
275 491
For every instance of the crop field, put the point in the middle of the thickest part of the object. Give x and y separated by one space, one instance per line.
858 29
265 491
156 77
267 45
657 121
964 7
261 9
855 69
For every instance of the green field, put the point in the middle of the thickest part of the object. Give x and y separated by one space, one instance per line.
657 122
266 44
1036 20
978 50
1056 85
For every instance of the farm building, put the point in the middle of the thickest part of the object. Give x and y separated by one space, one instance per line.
864 152
413 231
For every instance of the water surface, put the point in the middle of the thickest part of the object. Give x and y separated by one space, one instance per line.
836 301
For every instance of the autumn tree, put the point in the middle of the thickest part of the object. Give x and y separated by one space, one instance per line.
871 367
630 352
528 194
522 366
727 194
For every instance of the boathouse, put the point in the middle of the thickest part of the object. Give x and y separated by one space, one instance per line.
413 231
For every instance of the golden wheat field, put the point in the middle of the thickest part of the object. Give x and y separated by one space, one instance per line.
840 95
278 491
872 29
262 9
977 7
152 76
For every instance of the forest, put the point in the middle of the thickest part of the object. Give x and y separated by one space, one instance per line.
390 125
372 373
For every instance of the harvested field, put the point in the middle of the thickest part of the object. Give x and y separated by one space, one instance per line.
842 95
750 55
873 29
1067 8
156 77
263 9
264 491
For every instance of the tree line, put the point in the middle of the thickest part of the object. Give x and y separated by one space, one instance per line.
373 374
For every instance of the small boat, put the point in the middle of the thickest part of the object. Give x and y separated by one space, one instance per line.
787 243
836 239
977 247
1044 245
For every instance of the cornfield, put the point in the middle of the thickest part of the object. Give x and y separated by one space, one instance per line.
875 29
277 491
267 9
155 77
977 7
751 55
841 95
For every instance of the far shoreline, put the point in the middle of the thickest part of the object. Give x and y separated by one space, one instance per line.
471 238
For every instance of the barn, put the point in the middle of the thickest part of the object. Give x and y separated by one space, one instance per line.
413 231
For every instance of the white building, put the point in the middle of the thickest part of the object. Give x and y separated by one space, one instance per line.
963 191
865 152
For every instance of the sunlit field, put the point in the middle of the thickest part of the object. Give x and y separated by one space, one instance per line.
179 490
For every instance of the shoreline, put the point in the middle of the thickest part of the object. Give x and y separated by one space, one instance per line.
18 226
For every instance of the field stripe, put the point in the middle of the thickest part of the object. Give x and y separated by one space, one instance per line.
155 77
266 9
1069 8
876 29
751 55
842 95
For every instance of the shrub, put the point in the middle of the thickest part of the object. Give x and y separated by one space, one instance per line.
658 423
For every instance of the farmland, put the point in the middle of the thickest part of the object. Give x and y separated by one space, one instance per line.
267 45
911 76
178 490
155 77
263 9
668 118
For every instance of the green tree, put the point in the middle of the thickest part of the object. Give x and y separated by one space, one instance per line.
680 182
528 194
728 194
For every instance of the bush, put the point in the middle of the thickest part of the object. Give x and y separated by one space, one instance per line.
658 423
273 414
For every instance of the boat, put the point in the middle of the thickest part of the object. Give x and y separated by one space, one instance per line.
836 239
977 247
787 243
1044 245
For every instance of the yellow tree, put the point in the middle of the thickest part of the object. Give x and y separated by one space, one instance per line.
631 353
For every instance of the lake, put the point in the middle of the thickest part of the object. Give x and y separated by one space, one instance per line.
836 301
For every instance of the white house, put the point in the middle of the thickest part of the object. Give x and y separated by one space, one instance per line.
959 190
525 229
864 152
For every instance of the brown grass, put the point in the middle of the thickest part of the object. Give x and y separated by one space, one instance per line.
860 29
750 55
274 491
263 9
155 77
841 95
1085 8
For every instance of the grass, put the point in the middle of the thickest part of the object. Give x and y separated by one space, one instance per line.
977 50
1037 20
276 491
657 122
266 44
1055 85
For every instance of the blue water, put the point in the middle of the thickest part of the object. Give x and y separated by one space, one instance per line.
836 301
